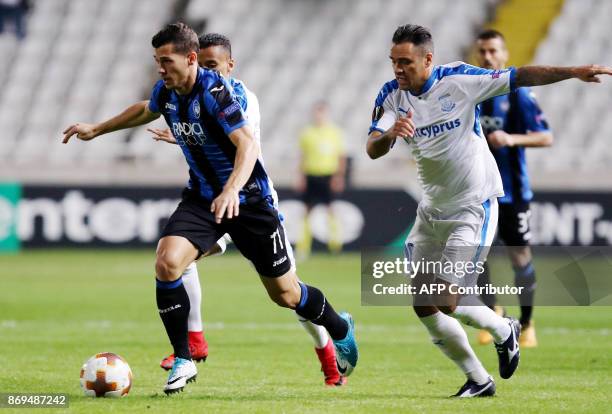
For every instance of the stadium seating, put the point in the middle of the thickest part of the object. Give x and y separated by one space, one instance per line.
292 53
579 114
85 60
81 60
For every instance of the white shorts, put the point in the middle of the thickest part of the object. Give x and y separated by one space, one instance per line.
448 239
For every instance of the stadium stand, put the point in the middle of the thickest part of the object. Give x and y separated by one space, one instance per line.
85 60
523 35
81 60
578 113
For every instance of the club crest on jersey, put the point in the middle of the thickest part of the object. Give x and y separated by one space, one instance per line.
196 109
446 103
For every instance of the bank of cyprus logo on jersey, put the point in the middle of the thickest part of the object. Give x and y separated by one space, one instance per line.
196 109
446 103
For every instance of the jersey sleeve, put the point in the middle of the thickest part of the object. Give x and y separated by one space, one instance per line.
481 84
384 114
253 115
531 115
155 103
221 102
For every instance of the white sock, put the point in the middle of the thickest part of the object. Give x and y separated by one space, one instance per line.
482 317
317 332
448 335
191 280
222 244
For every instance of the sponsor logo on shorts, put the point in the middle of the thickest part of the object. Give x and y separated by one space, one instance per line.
279 261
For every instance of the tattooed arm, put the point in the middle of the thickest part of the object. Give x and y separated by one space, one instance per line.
543 75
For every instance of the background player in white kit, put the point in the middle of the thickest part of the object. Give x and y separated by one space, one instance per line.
435 110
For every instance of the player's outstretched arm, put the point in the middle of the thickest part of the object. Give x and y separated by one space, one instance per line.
499 139
134 115
544 75
247 150
380 143
164 135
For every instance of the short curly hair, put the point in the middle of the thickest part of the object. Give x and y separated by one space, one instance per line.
215 39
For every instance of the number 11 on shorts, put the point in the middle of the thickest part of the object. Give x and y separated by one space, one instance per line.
277 236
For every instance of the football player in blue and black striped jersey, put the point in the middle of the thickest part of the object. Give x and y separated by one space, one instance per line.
228 191
216 53
511 123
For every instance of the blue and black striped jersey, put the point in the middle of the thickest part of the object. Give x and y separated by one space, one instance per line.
515 113
201 122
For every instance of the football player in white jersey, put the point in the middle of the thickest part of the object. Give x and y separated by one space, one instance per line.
215 53
434 109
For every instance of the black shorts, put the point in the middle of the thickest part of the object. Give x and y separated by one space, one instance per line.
318 190
257 232
513 224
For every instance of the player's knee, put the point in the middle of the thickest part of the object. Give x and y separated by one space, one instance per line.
423 311
447 309
520 256
168 267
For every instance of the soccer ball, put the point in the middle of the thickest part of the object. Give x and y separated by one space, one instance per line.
106 375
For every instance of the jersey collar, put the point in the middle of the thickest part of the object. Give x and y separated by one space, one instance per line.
431 81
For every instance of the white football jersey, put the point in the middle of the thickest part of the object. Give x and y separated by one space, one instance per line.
250 105
455 165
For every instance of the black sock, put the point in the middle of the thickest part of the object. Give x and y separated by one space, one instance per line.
484 279
525 277
173 306
314 307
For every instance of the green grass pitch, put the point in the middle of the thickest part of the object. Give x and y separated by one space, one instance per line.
57 308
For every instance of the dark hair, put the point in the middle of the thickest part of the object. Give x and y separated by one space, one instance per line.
183 38
491 34
415 34
215 39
